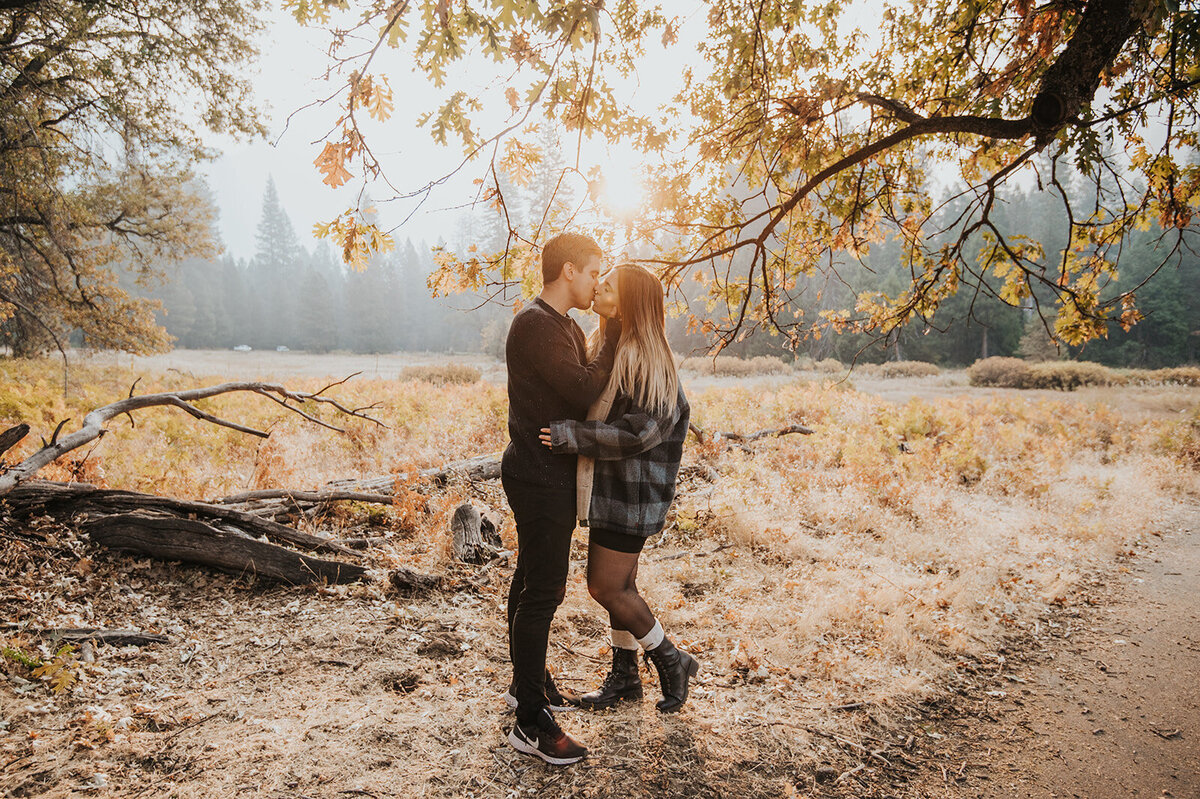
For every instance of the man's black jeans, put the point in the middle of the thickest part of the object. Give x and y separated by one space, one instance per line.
545 521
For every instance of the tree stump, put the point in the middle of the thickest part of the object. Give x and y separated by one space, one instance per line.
475 537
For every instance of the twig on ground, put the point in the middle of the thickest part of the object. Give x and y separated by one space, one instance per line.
678 555
571 651
1167 734
846 774
189 726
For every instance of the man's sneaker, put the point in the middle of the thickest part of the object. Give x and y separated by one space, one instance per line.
559 702
545 739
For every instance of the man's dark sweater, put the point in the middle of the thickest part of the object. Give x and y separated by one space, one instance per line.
549 379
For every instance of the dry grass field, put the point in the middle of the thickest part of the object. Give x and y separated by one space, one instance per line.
833 586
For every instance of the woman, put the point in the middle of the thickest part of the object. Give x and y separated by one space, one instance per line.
633 440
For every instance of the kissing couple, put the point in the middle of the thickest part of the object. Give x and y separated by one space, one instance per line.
596 430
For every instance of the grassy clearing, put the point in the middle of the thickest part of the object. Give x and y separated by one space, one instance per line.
817 572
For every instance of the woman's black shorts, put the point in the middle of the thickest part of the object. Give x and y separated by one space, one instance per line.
620 542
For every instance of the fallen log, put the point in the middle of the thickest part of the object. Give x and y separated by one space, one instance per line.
172 529
68 499
306 497
280 503
740 438
476 469
223 548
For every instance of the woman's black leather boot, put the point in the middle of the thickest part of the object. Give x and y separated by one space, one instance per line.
675 667
623 682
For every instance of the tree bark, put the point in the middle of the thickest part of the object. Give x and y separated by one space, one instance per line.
1070 83
111 637
408 581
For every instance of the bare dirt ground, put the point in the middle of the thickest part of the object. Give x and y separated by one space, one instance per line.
1102 703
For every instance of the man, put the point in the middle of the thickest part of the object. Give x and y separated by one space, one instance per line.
549 379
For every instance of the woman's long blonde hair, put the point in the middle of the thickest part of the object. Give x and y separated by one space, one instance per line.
644 368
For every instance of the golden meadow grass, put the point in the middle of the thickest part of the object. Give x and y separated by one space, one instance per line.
861 564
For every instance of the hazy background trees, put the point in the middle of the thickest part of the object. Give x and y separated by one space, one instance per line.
290 295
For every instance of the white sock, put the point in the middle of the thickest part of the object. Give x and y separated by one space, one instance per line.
654 637
623 639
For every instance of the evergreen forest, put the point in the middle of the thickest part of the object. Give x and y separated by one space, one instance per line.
288 295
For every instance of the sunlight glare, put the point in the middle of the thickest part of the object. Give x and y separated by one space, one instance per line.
624 189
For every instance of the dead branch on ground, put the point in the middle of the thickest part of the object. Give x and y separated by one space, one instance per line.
750 438
79 634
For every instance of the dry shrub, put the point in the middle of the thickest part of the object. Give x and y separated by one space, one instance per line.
891 369
1181 441
1069 375
829 366
424 425
442 374
803 363
890 565
729 366
1056 375
1173 376
999 371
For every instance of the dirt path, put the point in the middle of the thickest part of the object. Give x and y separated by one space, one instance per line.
1108 706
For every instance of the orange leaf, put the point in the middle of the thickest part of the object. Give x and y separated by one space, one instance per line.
331 164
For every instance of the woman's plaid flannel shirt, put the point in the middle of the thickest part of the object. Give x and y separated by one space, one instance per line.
637 461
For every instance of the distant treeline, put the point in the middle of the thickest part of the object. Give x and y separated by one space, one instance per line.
288 296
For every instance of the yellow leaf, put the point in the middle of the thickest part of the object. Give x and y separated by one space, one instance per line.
381 104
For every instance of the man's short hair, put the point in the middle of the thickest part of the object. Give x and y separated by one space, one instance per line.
573 247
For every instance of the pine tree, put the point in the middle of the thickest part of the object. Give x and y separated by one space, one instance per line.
276 269
318 332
